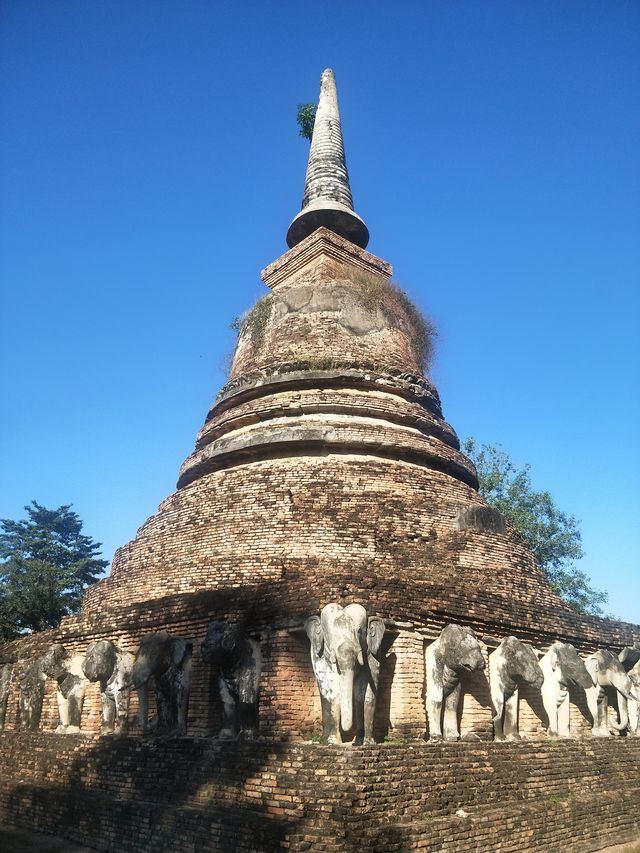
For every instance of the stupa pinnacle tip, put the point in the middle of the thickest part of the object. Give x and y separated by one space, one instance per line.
327 199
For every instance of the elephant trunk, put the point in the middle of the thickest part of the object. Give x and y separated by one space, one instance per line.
623 714
346 699
140 674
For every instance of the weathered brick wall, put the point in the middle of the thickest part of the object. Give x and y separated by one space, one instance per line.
284 536
190 793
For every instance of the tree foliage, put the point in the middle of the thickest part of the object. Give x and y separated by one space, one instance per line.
553 536
47 564
306 118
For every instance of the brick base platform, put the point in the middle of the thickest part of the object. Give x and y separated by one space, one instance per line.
191 794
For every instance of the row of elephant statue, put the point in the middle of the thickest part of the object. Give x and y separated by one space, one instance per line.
346 656
346 648
162 657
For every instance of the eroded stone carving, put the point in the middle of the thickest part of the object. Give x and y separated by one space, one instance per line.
111 666
512 663
609 676
66 670
366 682
239 663
345 653
455 652
563 668
6 669
31 682
168 660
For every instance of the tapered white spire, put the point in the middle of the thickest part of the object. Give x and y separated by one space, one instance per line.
327 196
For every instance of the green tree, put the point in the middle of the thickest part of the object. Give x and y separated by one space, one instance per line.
47 564
306 118
553 536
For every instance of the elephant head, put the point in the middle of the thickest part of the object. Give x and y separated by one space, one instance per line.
338 649
519 662
459 649
606 670
156 655
569 666
53 662
629 657
100 661
223 645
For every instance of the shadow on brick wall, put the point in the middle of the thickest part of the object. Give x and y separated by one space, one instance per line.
165 794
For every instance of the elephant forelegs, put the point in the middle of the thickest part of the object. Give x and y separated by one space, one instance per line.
330 720
434 714
108 712
143 708
497 699
511 717
451 731
63 711
564 717
229 710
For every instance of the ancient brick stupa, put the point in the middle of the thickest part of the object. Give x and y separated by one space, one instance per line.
324 473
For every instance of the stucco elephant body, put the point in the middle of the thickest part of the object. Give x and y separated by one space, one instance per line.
168 660
6 669
608 675
345 667
455 652
31 682
366 682
66 670
512 663
563 668
239 664
111 666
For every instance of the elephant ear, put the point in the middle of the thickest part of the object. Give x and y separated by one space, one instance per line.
629 657
593 666
313 629
231 639
177 650
375 633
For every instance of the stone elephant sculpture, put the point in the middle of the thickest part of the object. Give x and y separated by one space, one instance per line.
66 670
366 682
168 660
346 666
511 664
111 666
455 652
31 684
608 675
630 659
563 668
239 663
6 669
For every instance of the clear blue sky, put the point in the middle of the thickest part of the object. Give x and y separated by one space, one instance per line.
150 165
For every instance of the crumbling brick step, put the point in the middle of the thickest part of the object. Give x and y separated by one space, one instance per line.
545 825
